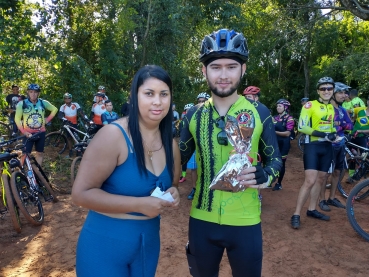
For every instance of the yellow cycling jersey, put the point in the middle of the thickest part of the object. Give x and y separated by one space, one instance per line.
316 116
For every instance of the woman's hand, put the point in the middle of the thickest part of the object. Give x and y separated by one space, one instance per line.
175 194
153 206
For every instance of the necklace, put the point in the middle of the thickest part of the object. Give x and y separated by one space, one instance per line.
149 151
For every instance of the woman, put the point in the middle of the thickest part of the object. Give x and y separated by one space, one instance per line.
121 167
283 124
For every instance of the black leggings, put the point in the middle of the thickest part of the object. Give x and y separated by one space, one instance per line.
282 172
244 246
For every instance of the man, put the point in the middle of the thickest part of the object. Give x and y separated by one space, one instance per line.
101 91
304 100
355 100
70 110
342 122
97 110
316 121
219 219
252 93
31 112
109 116
125 109
12 100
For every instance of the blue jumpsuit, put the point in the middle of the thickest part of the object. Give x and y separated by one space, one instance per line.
122 247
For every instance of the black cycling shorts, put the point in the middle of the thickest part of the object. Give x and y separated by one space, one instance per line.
38 142
318 156
339 157
244 245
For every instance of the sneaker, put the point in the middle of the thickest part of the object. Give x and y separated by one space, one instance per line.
335 202
182 179
191 195
295 221
324 206
277 186
269 186
317 215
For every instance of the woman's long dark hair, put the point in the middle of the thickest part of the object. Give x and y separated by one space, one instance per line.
165 126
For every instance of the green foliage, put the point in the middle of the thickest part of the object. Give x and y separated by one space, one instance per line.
76 46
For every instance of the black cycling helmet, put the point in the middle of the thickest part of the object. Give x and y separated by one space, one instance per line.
35 87
303 99
284 102
67 95
224 44
325 80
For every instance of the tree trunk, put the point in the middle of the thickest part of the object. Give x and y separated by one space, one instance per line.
359 9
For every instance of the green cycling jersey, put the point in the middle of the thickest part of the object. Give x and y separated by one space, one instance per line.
200 132
316 116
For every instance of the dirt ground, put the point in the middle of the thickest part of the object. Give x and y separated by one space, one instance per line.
317 249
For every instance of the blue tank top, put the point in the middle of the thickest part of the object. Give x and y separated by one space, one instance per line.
127 180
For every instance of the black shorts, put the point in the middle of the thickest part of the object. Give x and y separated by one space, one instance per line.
339 157
244 246
284 145
318 156
39 143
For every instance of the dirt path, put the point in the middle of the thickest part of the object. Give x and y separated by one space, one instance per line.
317 249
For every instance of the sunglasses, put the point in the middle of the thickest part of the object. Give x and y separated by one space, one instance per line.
201 101
67 97
324 89
222 135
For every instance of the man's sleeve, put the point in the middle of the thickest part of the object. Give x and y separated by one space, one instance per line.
304 120
268 144
18 116
187 143
104 119
50 107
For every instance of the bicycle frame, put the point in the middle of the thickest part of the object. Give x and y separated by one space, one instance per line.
86 136
5 171
30 174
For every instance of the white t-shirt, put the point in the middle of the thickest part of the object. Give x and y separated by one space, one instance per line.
70 112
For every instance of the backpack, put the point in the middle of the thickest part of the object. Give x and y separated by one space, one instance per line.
293 133
25 106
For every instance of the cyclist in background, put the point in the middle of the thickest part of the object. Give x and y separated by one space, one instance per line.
252 93
342 123
31 112
316 121
109 116
184 166
97 110
69 111
355 100
222 220
360 133
283 124
102 93
12 100
304 100
192 165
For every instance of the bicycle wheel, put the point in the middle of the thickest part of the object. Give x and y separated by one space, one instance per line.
301 141
357 209
45 188
27 201
55 142
74 169
346 186
11 206
5 131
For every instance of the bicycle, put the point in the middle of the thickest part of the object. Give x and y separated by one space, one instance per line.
28 184
80 149
6 129
57 141
301 138
361 165
7 195
357 208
